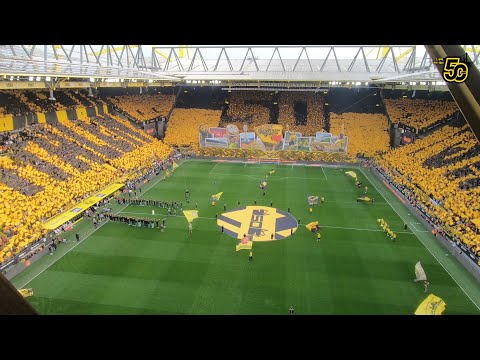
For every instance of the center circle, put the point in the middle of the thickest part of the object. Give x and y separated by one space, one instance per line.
260 222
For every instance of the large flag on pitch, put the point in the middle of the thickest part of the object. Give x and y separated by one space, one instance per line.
432 305
216 197
190 214
245 244
312 226
312 200
419 272
351 174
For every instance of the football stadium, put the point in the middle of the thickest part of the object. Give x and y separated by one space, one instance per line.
240 180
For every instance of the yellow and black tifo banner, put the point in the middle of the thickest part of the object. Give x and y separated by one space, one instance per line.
259 221
432 305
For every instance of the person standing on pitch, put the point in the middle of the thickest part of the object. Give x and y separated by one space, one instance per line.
77 237
366 189
405 227
190 227
291 311
426 284
319 236
250 257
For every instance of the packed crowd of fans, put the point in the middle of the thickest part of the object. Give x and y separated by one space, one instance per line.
249 107
47 168
315 112
183 125
21 102
367 133
10 104
144 107
442 172
419 113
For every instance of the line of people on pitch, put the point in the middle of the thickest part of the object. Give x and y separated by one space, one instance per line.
386 228
138 222
170 206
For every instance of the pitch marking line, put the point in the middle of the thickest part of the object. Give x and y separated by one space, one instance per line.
85 238
448 272
211 218
269 179
413 225
213 168
324 174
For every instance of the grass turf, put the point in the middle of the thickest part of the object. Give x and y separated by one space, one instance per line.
354 269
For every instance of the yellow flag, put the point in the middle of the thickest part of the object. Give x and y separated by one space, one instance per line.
312 225
174 165
351 174
244 246
432 305
190 215
216 197
26 292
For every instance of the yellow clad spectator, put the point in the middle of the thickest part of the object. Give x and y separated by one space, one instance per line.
184 123
367 133
145 107
419 113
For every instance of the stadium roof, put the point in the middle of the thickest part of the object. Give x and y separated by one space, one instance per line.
322 63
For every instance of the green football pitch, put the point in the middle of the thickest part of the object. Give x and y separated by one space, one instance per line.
354 269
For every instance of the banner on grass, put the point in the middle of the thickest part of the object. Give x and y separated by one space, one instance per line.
245 244
432 305
312 200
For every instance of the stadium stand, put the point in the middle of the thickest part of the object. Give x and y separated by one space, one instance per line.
10 104
419 113
46 168
80 98
253 108
144 107
367 133
442 172
210 98
313 118
183 125
366 100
